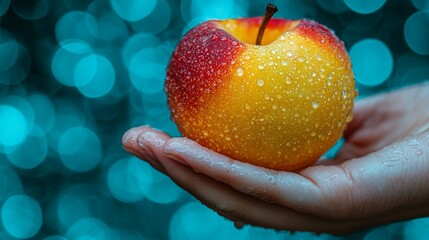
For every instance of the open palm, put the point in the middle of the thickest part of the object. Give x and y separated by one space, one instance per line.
380 175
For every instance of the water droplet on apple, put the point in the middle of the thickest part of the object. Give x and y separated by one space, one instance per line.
270 63
205 133
318 57
274 107
240 72
294 149
273 51
289 53
282 38
313 74
247 106
234 42
315 104
301 59
344 93
247 57
260 66
223 38
260 82
284 62
288 81
267 97
313 134
279 96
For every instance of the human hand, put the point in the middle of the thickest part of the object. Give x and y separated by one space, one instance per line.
379 176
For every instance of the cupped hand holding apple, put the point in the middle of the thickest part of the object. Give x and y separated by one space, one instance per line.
379 176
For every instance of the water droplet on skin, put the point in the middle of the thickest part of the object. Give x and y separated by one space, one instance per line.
288 81
240 72
260 82
261 66
419 153
315 104
289 53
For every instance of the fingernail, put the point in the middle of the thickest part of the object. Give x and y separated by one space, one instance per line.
129 135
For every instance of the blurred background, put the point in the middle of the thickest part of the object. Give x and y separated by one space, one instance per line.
75 75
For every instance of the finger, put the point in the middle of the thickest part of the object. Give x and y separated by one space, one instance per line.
143 142
283 188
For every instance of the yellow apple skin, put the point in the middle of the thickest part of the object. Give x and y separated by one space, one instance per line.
280 105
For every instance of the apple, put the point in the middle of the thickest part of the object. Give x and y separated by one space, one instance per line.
279 104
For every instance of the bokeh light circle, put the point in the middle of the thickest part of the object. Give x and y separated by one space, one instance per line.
365 6
76 25
21 216
80 149
372 61
4 6
135 44
196 221
8 52
417 229
30 153
416 32
88 228
10 183
94 76
163 190
66 59
129 179
155 22
132 10
13 126
44 111
421 4
332 6
14 60
31 10
77 202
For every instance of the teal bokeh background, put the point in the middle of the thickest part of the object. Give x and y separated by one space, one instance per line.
75 75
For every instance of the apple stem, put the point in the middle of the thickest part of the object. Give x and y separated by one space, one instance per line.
269 12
